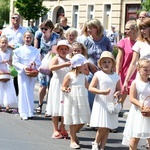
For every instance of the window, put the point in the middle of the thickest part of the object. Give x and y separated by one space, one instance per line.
75 15
90 12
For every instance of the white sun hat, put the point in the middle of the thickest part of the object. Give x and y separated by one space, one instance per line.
78 60
60 43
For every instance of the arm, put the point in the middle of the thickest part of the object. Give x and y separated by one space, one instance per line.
119 60
55 66
117 94
131 70
92 68
93 89
86 83
65 84
133 95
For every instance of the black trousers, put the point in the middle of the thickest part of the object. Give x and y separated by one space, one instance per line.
16 85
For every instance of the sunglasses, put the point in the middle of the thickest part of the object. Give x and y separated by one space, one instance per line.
16 18
44 29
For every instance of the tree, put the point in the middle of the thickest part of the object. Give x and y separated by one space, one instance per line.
31 9
4 12
146 5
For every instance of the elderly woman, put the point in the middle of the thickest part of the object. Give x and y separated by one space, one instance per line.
47 40
71 35
96 43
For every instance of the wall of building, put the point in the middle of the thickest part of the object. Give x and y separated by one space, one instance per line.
109 12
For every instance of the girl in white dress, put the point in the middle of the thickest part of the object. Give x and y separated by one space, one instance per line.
76 107
7 90
106 85
137 128
23 57
59 66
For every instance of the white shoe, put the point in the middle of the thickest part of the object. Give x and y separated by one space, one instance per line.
95 146
24 118
75 145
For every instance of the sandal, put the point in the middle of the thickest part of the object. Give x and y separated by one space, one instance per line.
39 109
64 134
8 110
57 135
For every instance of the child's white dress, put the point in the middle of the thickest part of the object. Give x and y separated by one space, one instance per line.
137 125
100 116
55 95
76 106
7 90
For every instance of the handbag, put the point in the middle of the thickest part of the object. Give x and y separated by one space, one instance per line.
44 68
13 71
114 107
146 110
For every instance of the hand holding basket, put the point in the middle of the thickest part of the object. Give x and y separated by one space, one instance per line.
145 110
31 71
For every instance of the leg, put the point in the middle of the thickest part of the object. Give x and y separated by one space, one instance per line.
148 143
104 138
78 127
62 129
72 133
133 143
73 143
56 134
42 93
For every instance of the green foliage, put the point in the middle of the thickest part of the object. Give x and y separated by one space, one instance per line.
4 12
31 9
146 5
115 51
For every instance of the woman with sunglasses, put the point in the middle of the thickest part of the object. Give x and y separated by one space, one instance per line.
47 40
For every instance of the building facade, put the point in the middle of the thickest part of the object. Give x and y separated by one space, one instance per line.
109 12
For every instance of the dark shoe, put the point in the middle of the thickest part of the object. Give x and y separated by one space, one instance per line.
30 118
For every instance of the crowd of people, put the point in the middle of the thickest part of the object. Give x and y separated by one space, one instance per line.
85 83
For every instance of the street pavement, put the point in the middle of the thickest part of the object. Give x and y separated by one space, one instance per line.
16 134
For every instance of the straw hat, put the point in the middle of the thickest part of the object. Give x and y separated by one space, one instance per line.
78 60
106 54
60 43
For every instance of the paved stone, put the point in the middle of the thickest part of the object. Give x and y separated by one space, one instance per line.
16 134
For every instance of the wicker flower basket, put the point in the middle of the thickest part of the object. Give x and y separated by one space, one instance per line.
4 77
31 72
145 111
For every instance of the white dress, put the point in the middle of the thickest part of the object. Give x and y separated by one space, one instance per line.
23 57
55 95
7 91
76 105
100 116
137 125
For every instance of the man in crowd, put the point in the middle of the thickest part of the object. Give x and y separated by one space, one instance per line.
14 34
